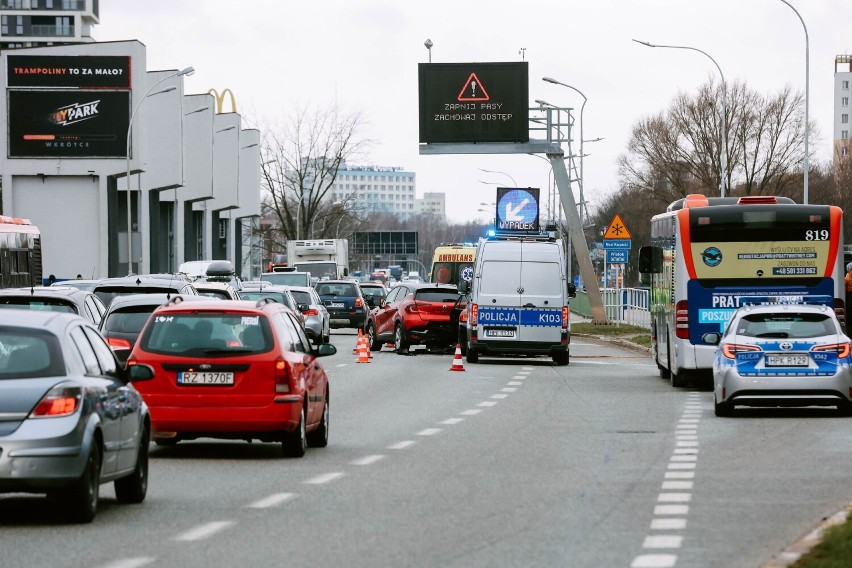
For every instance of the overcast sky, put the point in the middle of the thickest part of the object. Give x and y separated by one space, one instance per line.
275 55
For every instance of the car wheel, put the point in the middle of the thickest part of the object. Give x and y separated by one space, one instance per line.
677 379
560 358
295 443
664 373
319 437
845 408
81 500
375 344
132 489
399 342
722 408
472 355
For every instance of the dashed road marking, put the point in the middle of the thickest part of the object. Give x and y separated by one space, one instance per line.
487 403
671 510
428 431
402 445
451 421
500 396
131 562
668 524
272 500
663 541
508 389
472 411
367 460
654 561
204 531
324 478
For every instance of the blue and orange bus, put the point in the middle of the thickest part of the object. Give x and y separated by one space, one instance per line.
709 255
20 253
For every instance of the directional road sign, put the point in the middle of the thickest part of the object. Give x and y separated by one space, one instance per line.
617 244
616 256
517 209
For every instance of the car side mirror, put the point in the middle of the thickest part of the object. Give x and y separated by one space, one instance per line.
712 338
325 349
572 290
464 287
138 372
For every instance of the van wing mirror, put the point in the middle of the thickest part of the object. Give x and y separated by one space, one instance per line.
650 260
572 290
464 286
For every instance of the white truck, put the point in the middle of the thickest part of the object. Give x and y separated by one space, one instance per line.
323 258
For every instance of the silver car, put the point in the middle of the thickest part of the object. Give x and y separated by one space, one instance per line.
782 355
316 315
70 417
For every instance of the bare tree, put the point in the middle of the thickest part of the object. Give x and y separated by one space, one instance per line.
676 152
300 163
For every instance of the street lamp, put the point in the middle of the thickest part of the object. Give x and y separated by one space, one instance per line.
188 71
428 43
805 166
724 152
582 155
515 184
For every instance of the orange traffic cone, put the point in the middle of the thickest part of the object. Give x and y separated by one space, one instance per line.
363 353
357 347
365 340
458 364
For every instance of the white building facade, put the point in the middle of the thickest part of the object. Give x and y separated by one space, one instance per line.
842 112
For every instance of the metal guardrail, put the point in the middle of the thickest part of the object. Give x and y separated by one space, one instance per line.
622 305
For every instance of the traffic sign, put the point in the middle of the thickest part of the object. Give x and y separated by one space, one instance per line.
616 256
517 209
617 244
617 229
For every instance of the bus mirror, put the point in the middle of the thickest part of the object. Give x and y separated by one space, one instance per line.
650 260
712 338
464 287
572 290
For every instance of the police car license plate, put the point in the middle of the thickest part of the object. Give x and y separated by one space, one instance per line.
208 378
500 332
773 360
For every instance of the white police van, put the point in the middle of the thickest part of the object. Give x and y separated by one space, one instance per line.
518 299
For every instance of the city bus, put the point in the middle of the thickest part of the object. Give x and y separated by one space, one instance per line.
708 256
452 263
20 253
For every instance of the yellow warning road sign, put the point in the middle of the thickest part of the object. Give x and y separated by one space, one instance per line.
617 229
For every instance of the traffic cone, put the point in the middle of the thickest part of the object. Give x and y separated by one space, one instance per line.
458 364
357 347
363 353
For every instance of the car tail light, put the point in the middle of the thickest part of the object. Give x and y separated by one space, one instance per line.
412 308
310 312
565 318
359 303
463 316
730 350
282 376
682 320
842 349
118 343
474 314
61 400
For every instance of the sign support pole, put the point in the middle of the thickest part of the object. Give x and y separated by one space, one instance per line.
578 239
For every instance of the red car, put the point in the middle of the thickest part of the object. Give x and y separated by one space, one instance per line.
234 369
416 313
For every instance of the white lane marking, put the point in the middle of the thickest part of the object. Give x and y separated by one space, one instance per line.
686 450
131 562
663 541
324 478
339 365
367 460
689 420
428 431
472 411
686 437
692 427
272 500
684 458
660 510
508 389
687 444
402 445
204 531
500 396
452 421
519 377
679 465
668 524
515 383
654 561
677 485
526 369
674 497
486 403
680 475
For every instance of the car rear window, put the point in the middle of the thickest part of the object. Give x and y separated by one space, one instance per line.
279 297
432 295
38 304
786 325
347 290
107 293
374 291
27 353
128 320
302 297
210 335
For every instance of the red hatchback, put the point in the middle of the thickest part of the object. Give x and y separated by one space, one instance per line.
416 314
234 369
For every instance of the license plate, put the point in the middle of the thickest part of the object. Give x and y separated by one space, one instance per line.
773 360
205 378
337 305
499 333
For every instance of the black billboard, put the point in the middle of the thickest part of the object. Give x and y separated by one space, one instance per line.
385 242
75 124
75 71
474 102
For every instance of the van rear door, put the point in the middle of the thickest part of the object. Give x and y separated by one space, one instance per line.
542 292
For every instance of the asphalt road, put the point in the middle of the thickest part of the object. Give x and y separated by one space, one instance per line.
513 462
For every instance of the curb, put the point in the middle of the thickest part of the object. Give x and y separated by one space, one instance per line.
616 340
802 546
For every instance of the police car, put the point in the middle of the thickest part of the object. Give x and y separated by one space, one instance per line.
774 354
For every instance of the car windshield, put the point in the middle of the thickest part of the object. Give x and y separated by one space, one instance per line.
27 353
211 335
38 304
781 326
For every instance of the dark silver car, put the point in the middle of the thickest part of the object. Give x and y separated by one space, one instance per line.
70 418
316 316
56 298
109 288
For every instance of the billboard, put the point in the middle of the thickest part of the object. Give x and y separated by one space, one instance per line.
68 124
517 210
474 102
73 71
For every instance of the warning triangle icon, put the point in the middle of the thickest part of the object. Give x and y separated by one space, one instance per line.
617 229
473 90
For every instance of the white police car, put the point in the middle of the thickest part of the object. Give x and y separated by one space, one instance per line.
783 355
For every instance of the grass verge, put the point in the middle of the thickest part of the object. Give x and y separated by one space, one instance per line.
834 551
632 333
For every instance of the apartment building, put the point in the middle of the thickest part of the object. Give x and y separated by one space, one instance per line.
842 126
35 23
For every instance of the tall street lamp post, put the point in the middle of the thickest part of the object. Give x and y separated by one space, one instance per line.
724 152
188 71
805 166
